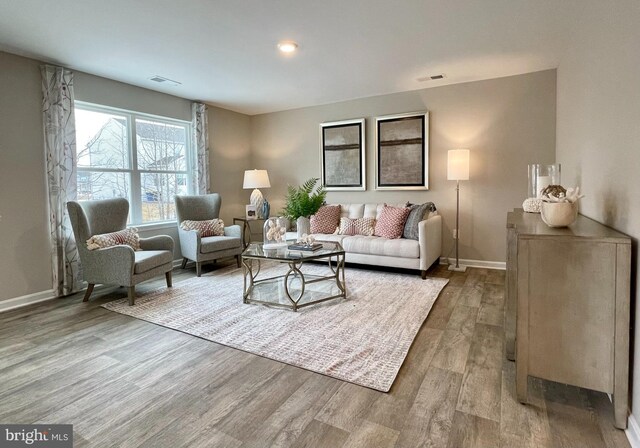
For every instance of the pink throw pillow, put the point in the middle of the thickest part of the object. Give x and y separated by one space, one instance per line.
391 222
326 219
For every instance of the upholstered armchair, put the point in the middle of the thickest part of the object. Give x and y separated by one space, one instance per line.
203 249
120 265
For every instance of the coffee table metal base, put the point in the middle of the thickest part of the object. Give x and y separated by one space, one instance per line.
251 269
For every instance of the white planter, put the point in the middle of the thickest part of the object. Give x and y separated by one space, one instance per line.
559 214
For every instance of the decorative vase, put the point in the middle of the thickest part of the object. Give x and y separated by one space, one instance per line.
274 233
541 176
266 209
559 214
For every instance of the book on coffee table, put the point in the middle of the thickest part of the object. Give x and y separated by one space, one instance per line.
304 247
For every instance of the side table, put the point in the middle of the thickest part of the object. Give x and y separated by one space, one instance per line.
250 235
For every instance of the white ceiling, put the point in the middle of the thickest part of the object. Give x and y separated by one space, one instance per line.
224 52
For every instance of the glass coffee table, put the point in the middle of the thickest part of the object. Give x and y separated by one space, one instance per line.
294 289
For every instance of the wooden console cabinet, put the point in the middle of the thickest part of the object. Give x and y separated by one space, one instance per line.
567 305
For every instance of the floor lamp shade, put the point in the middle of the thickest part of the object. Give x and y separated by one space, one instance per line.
458 164
256 179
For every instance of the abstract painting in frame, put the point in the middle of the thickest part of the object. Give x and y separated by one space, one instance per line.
342 155
402 152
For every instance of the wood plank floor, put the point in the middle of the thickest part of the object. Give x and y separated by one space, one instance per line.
128 383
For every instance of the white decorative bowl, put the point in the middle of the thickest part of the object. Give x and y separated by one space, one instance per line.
559 214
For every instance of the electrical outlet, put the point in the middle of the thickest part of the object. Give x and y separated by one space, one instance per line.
455 234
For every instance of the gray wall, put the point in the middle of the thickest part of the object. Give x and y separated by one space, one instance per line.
25 266
599 125
507 123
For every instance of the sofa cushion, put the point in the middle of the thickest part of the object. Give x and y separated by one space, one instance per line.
326 219
391 222
333 238
210 227
216 243
374 245
418 213
148 259
126 237
360 226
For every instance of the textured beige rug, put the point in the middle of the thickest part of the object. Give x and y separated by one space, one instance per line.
363 340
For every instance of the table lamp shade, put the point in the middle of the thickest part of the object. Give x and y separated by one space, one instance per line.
256 179
458 164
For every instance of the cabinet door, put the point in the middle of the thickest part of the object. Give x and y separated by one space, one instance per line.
571 311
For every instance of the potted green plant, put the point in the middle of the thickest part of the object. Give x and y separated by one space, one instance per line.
304 200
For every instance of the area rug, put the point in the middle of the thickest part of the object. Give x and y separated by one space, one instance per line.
362 340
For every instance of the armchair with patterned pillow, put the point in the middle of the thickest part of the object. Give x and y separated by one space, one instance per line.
203 236
112 254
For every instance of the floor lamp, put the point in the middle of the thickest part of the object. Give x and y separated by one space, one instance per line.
458 169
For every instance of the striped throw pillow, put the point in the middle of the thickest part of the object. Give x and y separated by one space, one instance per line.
127 237
210 227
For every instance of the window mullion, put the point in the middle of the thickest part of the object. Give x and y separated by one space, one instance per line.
136 193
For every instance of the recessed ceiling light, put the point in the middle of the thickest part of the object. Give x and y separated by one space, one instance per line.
287 46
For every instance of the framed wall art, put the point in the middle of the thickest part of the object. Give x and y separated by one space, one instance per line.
342 154
402 152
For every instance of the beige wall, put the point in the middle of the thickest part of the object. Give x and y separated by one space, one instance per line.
229 145
599 124
24 255
25 266
507 123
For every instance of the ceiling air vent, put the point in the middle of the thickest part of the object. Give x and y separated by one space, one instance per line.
431 78
163 80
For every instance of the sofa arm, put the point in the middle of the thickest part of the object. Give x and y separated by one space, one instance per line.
304 226
430 239
189 243
160 242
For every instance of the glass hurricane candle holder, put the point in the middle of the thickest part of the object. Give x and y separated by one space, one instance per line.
541 176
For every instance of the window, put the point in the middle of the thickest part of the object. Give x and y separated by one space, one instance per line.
143 158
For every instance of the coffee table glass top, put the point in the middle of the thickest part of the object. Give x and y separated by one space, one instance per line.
255 250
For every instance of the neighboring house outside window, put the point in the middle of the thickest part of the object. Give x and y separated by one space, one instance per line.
148 170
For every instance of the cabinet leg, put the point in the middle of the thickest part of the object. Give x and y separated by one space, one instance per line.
522 387
620 406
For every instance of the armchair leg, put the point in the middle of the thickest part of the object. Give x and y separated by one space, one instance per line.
132 295
168 277
198 268
424 274
238 260
87 294
184 262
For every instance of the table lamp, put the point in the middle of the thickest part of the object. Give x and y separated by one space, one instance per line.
256 179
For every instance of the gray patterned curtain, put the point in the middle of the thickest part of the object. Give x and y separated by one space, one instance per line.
200 125
60 151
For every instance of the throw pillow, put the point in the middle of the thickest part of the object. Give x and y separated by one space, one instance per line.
391 222
360 226
211 227
127 237
326 219
417 214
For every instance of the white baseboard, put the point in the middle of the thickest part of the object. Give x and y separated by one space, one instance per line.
476 263
29 299
633 432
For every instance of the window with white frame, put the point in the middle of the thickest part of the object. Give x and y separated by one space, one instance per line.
143 158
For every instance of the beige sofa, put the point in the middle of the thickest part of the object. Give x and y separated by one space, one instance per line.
374 250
